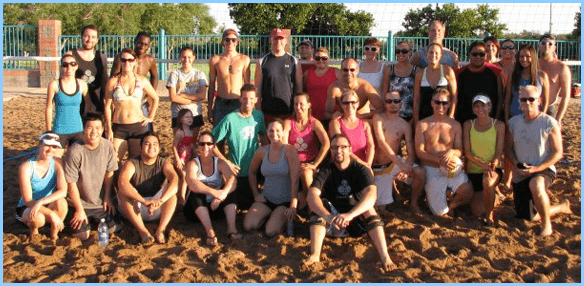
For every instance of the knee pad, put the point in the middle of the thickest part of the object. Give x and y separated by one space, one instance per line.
373 222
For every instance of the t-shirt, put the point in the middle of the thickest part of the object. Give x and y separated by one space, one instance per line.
531 140
194 79
278 83
470 84
337 185
87 168
147 179
242 137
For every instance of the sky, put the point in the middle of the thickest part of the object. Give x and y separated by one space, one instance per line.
389 16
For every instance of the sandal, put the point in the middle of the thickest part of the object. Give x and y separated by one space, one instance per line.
234 237
212 240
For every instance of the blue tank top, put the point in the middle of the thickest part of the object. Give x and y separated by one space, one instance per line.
277 183
67 111
41 186
514 107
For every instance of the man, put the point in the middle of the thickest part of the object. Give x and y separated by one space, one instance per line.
436 33
89 171
390 129
439 145
145 64
349 188
349 81
306 52
559 76
147 189
92 67
278 78
534 145
228 72
478 77
243 130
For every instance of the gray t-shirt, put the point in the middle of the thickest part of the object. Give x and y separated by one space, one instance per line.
87 168
193 80
531 140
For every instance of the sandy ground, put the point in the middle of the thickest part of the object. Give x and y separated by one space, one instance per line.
424 248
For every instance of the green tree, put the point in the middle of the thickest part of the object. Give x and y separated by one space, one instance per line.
301 18
460 24
576 33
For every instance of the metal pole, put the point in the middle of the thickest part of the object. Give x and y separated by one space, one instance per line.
550 18
162 54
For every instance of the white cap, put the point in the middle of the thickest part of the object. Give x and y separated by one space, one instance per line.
50 139
482 98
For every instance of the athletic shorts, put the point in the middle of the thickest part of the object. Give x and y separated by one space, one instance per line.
195 201
477 180
144 209
243 193
436 186
129 131
223 107
93 217
384 176
273 206
522 197
198 121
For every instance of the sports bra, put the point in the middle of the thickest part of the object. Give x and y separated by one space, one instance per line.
441 82
120 94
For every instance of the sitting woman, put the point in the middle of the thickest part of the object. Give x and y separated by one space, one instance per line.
43 189
309 137
211 184
279 165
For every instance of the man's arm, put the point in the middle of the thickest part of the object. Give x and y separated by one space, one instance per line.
125 188
565 87
557 151
246 69
153 73
373 96
172 185
367 201
258 83
452 87
108 183
298 77
212 81
415 59
332 94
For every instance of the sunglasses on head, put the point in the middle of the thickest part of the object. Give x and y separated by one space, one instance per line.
230 40
546 43
127 60
439 102
372 48
349 102
526 99
205 143
402 51
351 70
395 101
68 64
478 54
320 59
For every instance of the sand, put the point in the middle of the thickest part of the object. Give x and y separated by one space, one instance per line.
424 248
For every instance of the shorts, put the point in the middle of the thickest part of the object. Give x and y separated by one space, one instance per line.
129 131
144 210
522 197
198 121
273 206
93 217
223 107
243 194
477 180
384 176
67 140
195 201
436 186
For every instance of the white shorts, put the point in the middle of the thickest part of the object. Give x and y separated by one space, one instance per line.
436 185
144 210
384 178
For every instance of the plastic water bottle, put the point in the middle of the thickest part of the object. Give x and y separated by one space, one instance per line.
290 230
103 233
331 230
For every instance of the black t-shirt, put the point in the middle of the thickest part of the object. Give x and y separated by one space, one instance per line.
278 83
336 185
147 179
470 84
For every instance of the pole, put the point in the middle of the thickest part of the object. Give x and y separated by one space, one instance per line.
162 54
550 18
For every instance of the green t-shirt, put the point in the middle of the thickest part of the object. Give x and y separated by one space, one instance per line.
242 136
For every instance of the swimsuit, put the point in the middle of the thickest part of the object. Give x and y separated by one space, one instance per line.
426 92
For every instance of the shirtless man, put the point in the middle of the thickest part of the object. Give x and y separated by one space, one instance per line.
92 67
145 63
349 80
559 76
229 71
439 144
436 33
390 129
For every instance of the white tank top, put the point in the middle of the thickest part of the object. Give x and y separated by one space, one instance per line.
374 78
214 181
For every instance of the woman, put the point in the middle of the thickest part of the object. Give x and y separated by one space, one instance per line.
316 82
278 202
358 130
483 140
493 48
507 61
66 94
126 90
401 77
43 189
371 69
430 78
526 72
309 137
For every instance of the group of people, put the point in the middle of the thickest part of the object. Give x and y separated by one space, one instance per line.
306 137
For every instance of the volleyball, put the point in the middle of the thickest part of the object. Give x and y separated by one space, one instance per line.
454 172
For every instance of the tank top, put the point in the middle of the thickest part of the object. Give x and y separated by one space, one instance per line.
67 111
514 107
406 86
374 78
426 92
317 87
184 147
305 141
215 181
41 186
277 184
358 138
148 179
120 94
92 73
447 57
483 145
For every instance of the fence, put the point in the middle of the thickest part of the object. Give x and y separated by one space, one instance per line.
20 41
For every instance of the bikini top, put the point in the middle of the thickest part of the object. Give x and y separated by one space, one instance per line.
120 94
441 82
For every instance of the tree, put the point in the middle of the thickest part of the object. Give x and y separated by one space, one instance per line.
301 18
459 24
576 33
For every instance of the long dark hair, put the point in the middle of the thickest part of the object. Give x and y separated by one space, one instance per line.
516 77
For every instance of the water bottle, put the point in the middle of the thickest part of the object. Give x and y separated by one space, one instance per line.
290 230
103 233
331 230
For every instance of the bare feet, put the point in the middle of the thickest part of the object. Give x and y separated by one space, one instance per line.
311 260
565 207
159 236
387 265
547 230
234 237
212 241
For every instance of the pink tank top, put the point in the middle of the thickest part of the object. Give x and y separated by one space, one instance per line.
317 87
358 138
184 147
305 142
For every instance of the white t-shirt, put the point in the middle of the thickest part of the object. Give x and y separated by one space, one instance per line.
194 80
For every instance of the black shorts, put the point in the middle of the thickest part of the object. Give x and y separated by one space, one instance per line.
273 206
129 131
522 197
243 193
477 180
198 121
18 213
93 217
194 201
67 140
357 227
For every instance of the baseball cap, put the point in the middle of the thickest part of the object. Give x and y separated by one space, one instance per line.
50 139
306 42
230 31
278 33
482 98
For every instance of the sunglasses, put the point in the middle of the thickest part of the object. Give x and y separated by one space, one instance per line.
526 99
320 59
351 70
507 48
478 54
349 102
233 40
438 102
127 60
402 51
395 101
205 144
372 48
546 43
68 64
